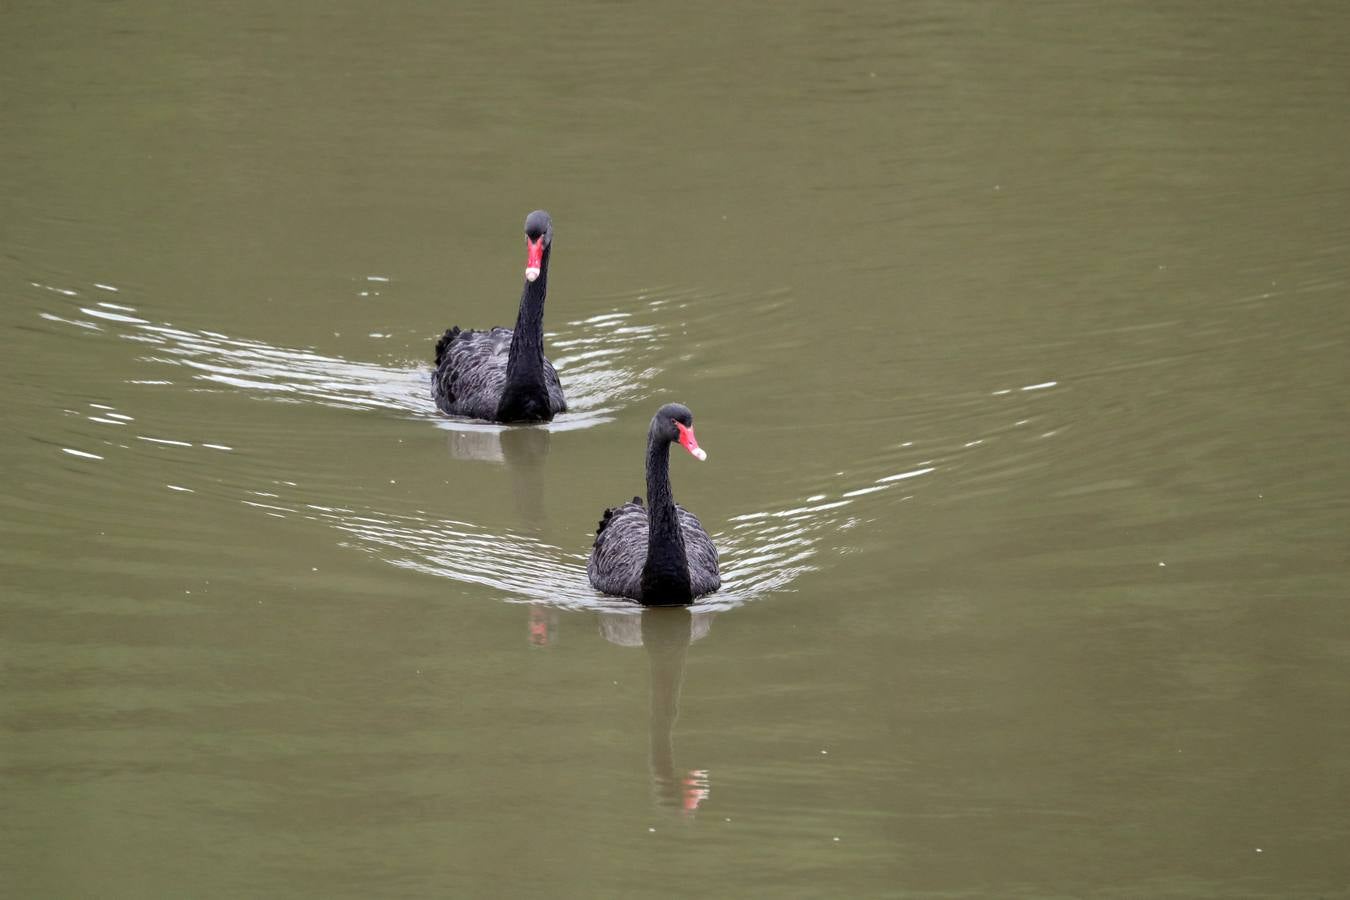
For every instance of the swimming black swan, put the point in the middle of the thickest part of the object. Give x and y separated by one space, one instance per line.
659 555
502 375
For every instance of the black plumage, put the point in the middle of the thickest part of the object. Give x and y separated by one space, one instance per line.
659 553
502 375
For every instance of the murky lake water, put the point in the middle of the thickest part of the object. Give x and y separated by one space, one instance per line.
1017 339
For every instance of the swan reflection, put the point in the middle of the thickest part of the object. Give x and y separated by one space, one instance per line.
543 625
666 635
522 449
518 447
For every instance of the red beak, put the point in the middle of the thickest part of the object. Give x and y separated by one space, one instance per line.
690 443
535 261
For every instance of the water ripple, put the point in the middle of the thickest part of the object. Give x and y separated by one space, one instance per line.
761 553
603 361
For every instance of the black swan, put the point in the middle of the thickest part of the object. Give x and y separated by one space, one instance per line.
659 555
501 375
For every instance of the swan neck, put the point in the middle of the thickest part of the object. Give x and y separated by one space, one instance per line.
525 364
527 341
665 576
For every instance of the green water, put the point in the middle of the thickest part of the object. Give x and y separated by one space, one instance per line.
1016 335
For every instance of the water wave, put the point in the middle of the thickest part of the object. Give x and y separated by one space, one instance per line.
604 361
761 552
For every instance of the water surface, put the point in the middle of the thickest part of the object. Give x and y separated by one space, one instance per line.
1016 338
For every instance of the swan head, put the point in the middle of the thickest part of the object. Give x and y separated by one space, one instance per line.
538 237
674 423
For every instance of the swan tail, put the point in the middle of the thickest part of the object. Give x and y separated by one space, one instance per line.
609 514
443 345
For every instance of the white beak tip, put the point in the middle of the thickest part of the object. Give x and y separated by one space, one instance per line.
699 453
531 273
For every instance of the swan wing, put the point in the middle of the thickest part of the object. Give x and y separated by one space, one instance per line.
471 371
704 575
556 401
620 550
